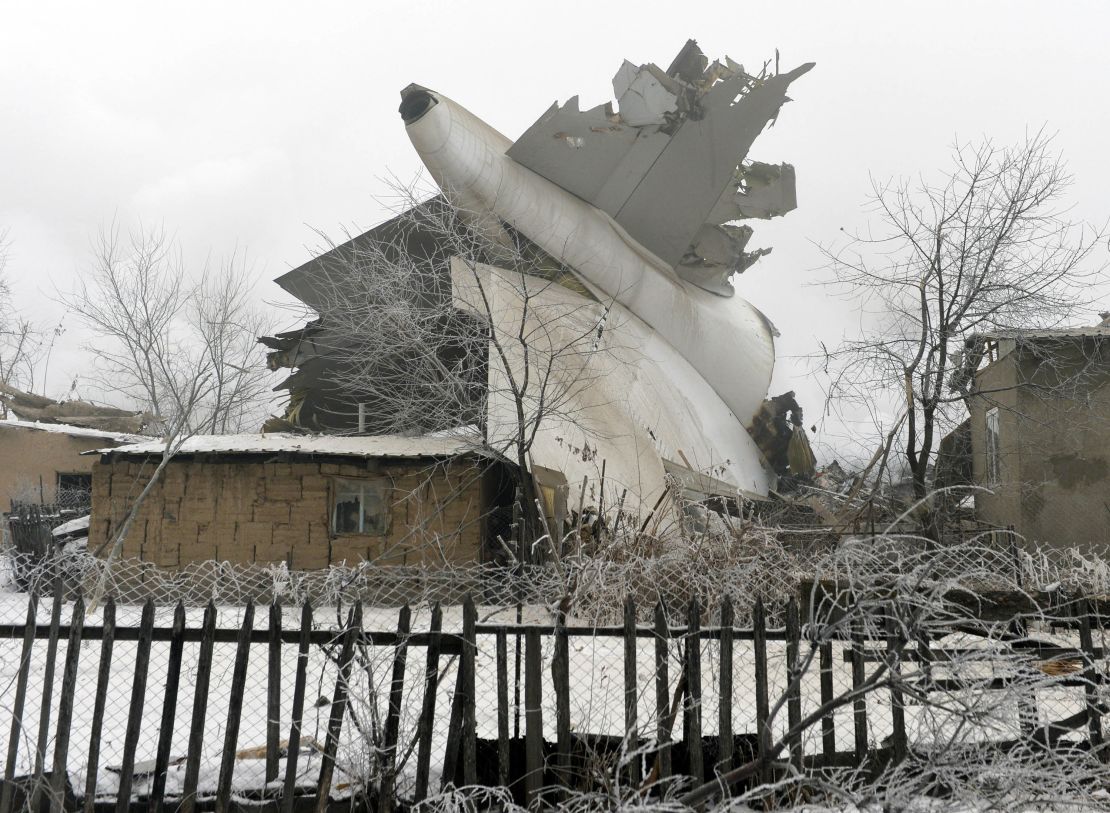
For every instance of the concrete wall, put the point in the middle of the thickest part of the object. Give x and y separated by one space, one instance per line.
246 510
31 456
1055 437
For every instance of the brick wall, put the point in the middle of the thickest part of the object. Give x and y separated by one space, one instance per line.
244 510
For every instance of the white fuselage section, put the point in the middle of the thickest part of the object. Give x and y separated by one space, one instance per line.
725 340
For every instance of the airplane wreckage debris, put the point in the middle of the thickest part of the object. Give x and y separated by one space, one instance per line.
639 206
27 406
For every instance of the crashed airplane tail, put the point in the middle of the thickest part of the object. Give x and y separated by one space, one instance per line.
640 205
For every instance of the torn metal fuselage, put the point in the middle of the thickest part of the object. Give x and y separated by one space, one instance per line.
643 210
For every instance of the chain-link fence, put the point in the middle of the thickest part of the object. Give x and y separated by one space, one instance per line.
1024 667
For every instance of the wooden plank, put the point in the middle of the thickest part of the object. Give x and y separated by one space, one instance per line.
17 705
338 708
725 738
300 681
135 713
1090 690
762 688
386 797
454 732
273 694
794 692
428 708
466 663
103 675
828 724
234 710
897 702
169 710
631 689
533 716
692 726
60 767
200 712
502 709
859 705
560 678
38 788
662 694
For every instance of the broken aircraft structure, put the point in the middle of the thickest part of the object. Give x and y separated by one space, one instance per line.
637 209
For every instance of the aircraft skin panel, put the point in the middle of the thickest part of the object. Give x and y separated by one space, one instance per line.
725 339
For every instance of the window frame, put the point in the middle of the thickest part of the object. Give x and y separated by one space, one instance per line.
383 485
993 445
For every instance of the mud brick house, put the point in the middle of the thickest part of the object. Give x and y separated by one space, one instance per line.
42 463
307 501
1039 430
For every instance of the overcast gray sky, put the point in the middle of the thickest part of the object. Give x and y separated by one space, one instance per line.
248 125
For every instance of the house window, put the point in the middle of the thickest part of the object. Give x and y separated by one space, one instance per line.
994 453
361 507
74 490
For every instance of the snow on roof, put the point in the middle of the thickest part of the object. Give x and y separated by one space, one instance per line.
73 526
324 445
68 429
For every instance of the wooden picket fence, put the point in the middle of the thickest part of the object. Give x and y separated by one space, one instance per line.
547 767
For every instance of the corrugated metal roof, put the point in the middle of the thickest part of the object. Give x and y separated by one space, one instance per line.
325 445
69 429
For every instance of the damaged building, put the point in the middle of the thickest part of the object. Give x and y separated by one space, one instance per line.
1037 442
41 446
599 248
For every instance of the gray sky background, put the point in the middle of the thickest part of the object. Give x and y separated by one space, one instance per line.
246 126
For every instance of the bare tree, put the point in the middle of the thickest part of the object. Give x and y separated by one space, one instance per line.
989 247
20 340
226 327
161 332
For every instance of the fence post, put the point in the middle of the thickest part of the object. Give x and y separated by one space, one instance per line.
59 772
692 726
18 702
234 710
828 723
469 723
533 716
1090 675
47 692
393 716
725 737
762 700
428 707
135 714
897 705
338 707
200 711
104 671
169 709
662 694
273 693
502 708
794 693
560 675
293 749
859 704
631 728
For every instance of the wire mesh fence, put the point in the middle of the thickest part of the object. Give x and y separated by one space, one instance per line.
1034 671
